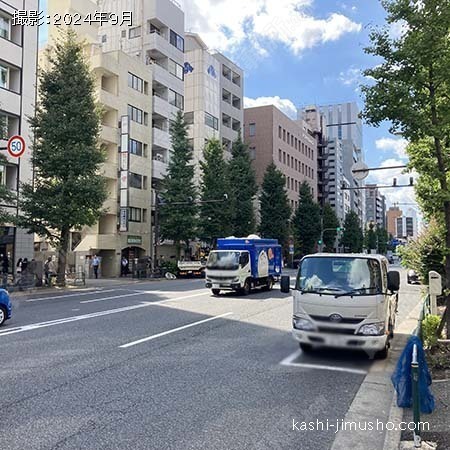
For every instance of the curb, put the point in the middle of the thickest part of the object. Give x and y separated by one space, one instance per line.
376 399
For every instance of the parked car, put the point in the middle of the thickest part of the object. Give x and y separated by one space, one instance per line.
5 306
412 277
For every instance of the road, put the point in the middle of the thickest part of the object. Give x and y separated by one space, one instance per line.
164 365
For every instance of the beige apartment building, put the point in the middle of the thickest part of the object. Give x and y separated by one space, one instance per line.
274 137
18 63
123 88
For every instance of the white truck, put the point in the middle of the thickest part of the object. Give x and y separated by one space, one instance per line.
345 301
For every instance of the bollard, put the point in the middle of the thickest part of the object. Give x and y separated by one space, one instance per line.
416 398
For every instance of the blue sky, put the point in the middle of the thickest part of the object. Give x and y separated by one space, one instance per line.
299 52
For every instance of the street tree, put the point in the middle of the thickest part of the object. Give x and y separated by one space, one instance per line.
370 238
243 189
68 190
352 237
410 88
274 206
178 211
382 239
330 223
306 221
215 211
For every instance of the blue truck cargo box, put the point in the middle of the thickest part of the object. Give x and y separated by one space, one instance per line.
255 247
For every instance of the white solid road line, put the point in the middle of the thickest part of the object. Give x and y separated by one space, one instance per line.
104 299
95 291
35 326
289 362
165 333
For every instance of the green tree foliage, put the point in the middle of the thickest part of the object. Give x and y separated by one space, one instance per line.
427 252
243 190
383 239
410 88
68 192
370 238
352 237
275 209
330 223
306 222
178 212
215 217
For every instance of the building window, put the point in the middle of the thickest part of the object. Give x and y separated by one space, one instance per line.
303 169
4 77
177 41
211 121
296 143
136 181
252 153
284 157
303 148
176 99
284 135
280 134
296 165
135 214
252 129
136 83
189 118
135 114
135 147
134 32
279 155
176 70
5 27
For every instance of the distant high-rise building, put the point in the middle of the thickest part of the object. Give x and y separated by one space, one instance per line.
274 137
393 213
18 68
343 123
375 206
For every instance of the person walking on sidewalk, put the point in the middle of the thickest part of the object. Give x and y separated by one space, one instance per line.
5 270
95 265
49 270
124 267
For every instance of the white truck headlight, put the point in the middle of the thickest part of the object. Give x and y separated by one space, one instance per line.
303 324
372 329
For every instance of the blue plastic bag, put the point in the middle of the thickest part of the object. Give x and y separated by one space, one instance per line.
402 381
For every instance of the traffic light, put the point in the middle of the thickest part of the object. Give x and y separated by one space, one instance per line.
338 229
320 242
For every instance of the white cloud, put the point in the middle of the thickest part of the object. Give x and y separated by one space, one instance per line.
226 24
397 29
283 104
398 146
351 76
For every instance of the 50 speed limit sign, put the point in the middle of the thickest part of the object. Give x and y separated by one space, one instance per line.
16 146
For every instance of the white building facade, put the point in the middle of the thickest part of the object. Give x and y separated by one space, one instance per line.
18 71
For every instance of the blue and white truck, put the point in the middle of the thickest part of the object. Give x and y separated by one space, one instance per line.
241 264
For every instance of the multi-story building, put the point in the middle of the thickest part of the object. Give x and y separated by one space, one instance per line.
156 38
232 100
18 64
393 213
274 137
343 123
123 87
406 225
375 206
213 98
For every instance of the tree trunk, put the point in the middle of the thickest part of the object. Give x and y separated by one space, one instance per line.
62 257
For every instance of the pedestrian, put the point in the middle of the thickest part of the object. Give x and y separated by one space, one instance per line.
124 267
24 265
49 270
95 265
5 270
19 266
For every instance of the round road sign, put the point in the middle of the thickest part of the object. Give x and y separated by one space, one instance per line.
16 146
360 171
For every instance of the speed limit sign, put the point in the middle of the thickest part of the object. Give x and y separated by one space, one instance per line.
16 146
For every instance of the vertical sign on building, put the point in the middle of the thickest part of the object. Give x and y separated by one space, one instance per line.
124 171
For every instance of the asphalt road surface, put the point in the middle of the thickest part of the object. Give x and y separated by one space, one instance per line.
164 365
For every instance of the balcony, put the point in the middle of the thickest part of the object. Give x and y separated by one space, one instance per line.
161 138
110 205
162 76
13 51
108 99
159 169
161 106
109 134
10 101
158 44
110 170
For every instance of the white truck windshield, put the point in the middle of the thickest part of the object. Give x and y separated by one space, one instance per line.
223 260
334 276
